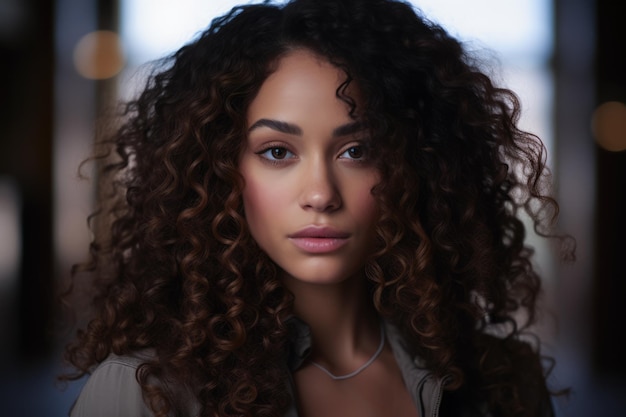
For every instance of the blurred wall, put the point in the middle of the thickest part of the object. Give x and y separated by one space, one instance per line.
590 66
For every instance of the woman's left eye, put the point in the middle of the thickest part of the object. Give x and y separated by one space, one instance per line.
354 152
276 153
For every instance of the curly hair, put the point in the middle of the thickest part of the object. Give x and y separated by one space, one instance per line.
178 272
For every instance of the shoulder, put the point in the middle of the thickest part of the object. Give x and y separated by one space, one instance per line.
112 389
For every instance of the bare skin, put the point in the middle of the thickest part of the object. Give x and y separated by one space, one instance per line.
377 392
345 335
309 206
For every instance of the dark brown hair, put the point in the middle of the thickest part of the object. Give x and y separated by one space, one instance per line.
179 273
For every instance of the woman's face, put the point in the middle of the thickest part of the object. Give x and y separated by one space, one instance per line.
307 198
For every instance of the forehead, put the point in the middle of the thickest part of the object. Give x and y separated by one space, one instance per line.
303 85
301 70
302 78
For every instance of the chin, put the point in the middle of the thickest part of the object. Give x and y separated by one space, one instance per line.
322 276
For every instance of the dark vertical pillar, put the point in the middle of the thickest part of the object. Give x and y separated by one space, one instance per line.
610 222
30 136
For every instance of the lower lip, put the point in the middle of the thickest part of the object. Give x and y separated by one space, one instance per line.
319 244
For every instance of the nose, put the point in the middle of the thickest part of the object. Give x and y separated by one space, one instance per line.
319 188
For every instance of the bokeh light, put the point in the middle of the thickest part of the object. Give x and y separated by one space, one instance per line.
608 125
99 55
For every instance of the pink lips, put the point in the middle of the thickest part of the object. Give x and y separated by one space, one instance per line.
319 239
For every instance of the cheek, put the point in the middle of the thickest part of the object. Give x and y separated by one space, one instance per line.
253 200
262 203
361 197
368 212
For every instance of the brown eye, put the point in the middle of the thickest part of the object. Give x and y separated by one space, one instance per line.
354 152
278 153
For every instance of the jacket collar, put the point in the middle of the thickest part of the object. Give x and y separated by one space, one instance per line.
299 344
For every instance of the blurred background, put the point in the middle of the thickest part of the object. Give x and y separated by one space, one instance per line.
63 62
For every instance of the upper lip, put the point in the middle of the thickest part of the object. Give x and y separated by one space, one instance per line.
320 232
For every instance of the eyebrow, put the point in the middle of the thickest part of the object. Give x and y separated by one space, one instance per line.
277 125
292 129
348 129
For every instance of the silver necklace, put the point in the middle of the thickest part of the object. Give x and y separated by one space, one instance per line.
362 367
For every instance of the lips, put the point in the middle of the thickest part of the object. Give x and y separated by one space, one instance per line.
320 232
317 240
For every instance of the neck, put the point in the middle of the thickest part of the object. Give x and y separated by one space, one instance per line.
344 325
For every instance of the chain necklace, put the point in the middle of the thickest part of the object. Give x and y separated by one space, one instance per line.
362 367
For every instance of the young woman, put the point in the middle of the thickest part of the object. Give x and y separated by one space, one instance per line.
318 216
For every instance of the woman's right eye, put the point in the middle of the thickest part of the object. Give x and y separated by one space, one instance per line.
276 153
